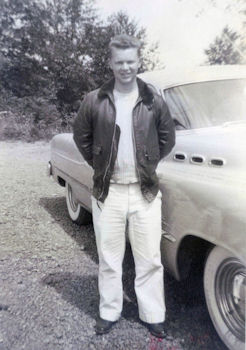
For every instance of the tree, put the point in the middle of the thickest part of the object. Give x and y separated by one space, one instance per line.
21 28
226 49
67 58
57 49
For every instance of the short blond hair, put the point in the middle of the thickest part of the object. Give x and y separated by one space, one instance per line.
124 41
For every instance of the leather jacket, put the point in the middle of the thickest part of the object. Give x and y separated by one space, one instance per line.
96 135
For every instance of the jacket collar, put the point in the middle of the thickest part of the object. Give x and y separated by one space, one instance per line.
144 91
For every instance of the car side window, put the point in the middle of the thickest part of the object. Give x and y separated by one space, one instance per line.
207 104
175 102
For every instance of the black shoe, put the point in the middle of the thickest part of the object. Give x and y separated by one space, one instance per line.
156 329
103 326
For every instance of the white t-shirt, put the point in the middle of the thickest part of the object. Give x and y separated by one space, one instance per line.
125 167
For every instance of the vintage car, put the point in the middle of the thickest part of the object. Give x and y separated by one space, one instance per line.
203 181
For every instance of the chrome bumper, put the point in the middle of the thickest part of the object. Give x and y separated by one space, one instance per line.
49 169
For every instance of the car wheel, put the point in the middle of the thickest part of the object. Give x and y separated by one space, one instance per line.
78 214
224 286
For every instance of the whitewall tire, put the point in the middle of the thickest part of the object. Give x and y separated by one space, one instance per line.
78 214
224 286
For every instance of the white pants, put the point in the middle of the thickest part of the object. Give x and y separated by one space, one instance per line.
125 202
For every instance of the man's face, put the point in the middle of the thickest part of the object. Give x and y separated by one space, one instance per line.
124 64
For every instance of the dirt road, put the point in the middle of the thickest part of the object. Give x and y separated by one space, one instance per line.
48 273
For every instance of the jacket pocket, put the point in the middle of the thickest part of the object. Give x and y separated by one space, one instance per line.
96 149
152 153
97 156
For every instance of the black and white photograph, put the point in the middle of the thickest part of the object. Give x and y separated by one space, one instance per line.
123 174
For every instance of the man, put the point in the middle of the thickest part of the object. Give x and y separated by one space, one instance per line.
122 130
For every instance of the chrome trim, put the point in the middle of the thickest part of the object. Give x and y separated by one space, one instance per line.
218 159
192 161
182 154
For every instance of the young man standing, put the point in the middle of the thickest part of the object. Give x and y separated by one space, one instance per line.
123 130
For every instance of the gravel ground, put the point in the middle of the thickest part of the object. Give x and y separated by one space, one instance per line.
48 273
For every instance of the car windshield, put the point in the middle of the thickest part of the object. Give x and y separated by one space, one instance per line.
205 104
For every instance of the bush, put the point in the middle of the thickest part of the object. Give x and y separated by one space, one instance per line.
31 119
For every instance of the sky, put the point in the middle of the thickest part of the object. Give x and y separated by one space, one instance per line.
183 28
